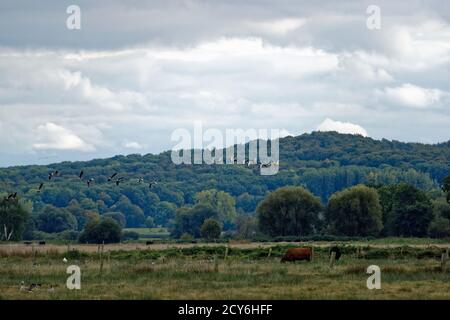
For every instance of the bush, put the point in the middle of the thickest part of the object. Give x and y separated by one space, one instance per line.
186 237
98 231
439 228
210 229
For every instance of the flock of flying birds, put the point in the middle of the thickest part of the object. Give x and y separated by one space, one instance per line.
249 163
114 178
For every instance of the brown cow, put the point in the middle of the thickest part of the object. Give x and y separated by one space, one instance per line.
294 254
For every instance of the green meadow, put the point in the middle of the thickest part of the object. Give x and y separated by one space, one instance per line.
222 271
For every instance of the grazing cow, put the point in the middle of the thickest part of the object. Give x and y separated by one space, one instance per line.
294 254
149 242
337 252
42 243
27 243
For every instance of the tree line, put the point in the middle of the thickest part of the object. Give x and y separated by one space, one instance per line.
400 210
322 162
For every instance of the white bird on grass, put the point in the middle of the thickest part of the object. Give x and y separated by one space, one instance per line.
65 260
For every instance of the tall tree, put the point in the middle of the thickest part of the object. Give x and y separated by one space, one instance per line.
210 229
355 211
104 230
190 219
446 187
13 218
407 211
222 202
289 211
53 219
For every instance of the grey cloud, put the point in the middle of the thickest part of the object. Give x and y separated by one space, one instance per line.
138 70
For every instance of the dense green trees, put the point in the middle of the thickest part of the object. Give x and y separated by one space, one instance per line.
246 226
134 215
104 230
354 212
117 216
209 204
53 219
322 162
289 211
210 229
190 219
407 211
446 187
13 219
440 225
222 202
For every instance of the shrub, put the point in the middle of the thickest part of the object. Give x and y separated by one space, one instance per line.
210 229
98 231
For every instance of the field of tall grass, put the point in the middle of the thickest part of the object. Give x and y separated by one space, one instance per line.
222 272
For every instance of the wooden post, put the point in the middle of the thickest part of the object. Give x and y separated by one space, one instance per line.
358 252
34 256
332 259
216 264
226 253
312 254
109 260
443 262
270 252
101 258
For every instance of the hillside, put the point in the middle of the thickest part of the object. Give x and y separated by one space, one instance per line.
324 162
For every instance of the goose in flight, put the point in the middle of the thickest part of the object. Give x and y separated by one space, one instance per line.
119 180
91 180
40 187
53 174
151 184
112 177
12 196
268 165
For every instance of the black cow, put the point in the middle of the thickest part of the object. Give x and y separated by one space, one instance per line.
149 242
337 252
42 243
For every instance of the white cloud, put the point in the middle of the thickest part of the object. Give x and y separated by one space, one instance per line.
277 27
413 96
341 127
242 65
132 145
52 136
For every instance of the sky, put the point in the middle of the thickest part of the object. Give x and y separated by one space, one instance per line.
138 70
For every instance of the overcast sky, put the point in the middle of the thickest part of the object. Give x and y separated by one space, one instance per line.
138 70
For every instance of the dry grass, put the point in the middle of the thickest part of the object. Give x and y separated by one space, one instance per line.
195 277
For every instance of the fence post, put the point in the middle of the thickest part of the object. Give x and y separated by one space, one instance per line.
270 252
101 257
226 253
443 261
34 256
332 259
216 264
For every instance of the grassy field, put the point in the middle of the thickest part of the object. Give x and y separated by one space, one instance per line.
243 271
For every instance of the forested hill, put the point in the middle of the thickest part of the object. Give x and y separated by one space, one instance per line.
324 162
